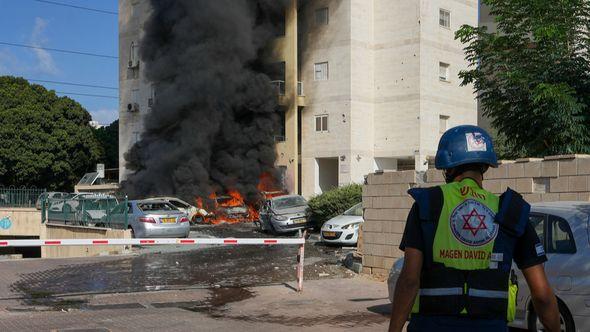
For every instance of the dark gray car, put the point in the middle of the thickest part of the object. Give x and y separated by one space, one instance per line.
284 214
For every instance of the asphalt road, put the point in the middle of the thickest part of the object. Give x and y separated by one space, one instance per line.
177 288
182 267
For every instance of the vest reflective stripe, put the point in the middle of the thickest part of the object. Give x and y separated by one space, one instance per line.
491 294
441 291
465 238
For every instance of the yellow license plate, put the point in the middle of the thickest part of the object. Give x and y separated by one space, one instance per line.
330 234
168 220
299 221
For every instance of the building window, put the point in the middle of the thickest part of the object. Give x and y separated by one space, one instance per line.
322 16
444 18
133 55
443 71
152 98
321 71
443 123
321 123
135 138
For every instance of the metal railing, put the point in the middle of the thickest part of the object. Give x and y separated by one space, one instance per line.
300 89
279 87
22 197
94 210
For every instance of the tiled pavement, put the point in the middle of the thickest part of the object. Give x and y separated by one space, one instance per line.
325 305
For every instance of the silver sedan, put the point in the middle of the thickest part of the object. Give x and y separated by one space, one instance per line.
154 218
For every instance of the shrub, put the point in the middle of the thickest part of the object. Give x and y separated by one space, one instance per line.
334 202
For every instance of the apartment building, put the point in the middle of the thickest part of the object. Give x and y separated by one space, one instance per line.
366 85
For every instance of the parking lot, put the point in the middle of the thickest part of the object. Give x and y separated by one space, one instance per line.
177 288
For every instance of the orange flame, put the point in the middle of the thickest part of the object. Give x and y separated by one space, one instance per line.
218 205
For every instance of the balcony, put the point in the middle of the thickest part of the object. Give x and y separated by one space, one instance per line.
280 89
300 89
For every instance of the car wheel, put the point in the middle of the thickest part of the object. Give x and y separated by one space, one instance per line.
132 232
272 230
196 220
258 225
565 319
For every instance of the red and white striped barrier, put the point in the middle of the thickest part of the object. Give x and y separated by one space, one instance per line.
168 241
147 242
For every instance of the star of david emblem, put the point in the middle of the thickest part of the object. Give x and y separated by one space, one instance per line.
478 217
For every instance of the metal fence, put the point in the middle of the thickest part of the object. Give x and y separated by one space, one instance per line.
95 210
22 197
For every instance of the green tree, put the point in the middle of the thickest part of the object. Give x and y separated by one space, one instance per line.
108 138
533 75
45 140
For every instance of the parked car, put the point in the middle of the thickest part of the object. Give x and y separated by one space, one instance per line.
283 214
344 229
563 228
229 207
86 209
193 213
154 218
52 195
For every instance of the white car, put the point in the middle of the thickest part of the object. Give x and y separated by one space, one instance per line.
194 214
564 230
344 229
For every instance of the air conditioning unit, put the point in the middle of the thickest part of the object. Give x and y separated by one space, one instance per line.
133 107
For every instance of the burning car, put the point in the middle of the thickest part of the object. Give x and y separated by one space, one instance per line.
194 214
284 214
229 208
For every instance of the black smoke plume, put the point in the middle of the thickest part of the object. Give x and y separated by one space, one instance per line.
215 115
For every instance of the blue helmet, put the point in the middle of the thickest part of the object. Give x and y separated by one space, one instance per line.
465 145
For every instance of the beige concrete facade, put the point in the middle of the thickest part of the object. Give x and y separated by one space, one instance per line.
26 223
53 231
387 204
382 97
23 222
134 90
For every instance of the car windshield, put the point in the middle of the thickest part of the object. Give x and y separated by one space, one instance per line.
356 210
156 206
288 202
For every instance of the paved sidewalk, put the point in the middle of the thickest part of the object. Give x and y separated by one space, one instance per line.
325 305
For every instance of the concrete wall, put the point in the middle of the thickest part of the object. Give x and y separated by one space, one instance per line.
386 202
325 43
52 231
23 222
26 223
132 15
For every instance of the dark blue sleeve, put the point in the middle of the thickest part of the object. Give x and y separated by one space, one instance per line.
412 237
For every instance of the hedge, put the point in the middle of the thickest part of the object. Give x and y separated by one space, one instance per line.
327 205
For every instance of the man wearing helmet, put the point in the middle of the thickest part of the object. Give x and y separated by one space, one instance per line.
459 243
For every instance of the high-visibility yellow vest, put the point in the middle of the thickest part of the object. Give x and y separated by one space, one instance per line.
470 236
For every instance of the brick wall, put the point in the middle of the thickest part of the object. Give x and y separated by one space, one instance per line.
386 202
